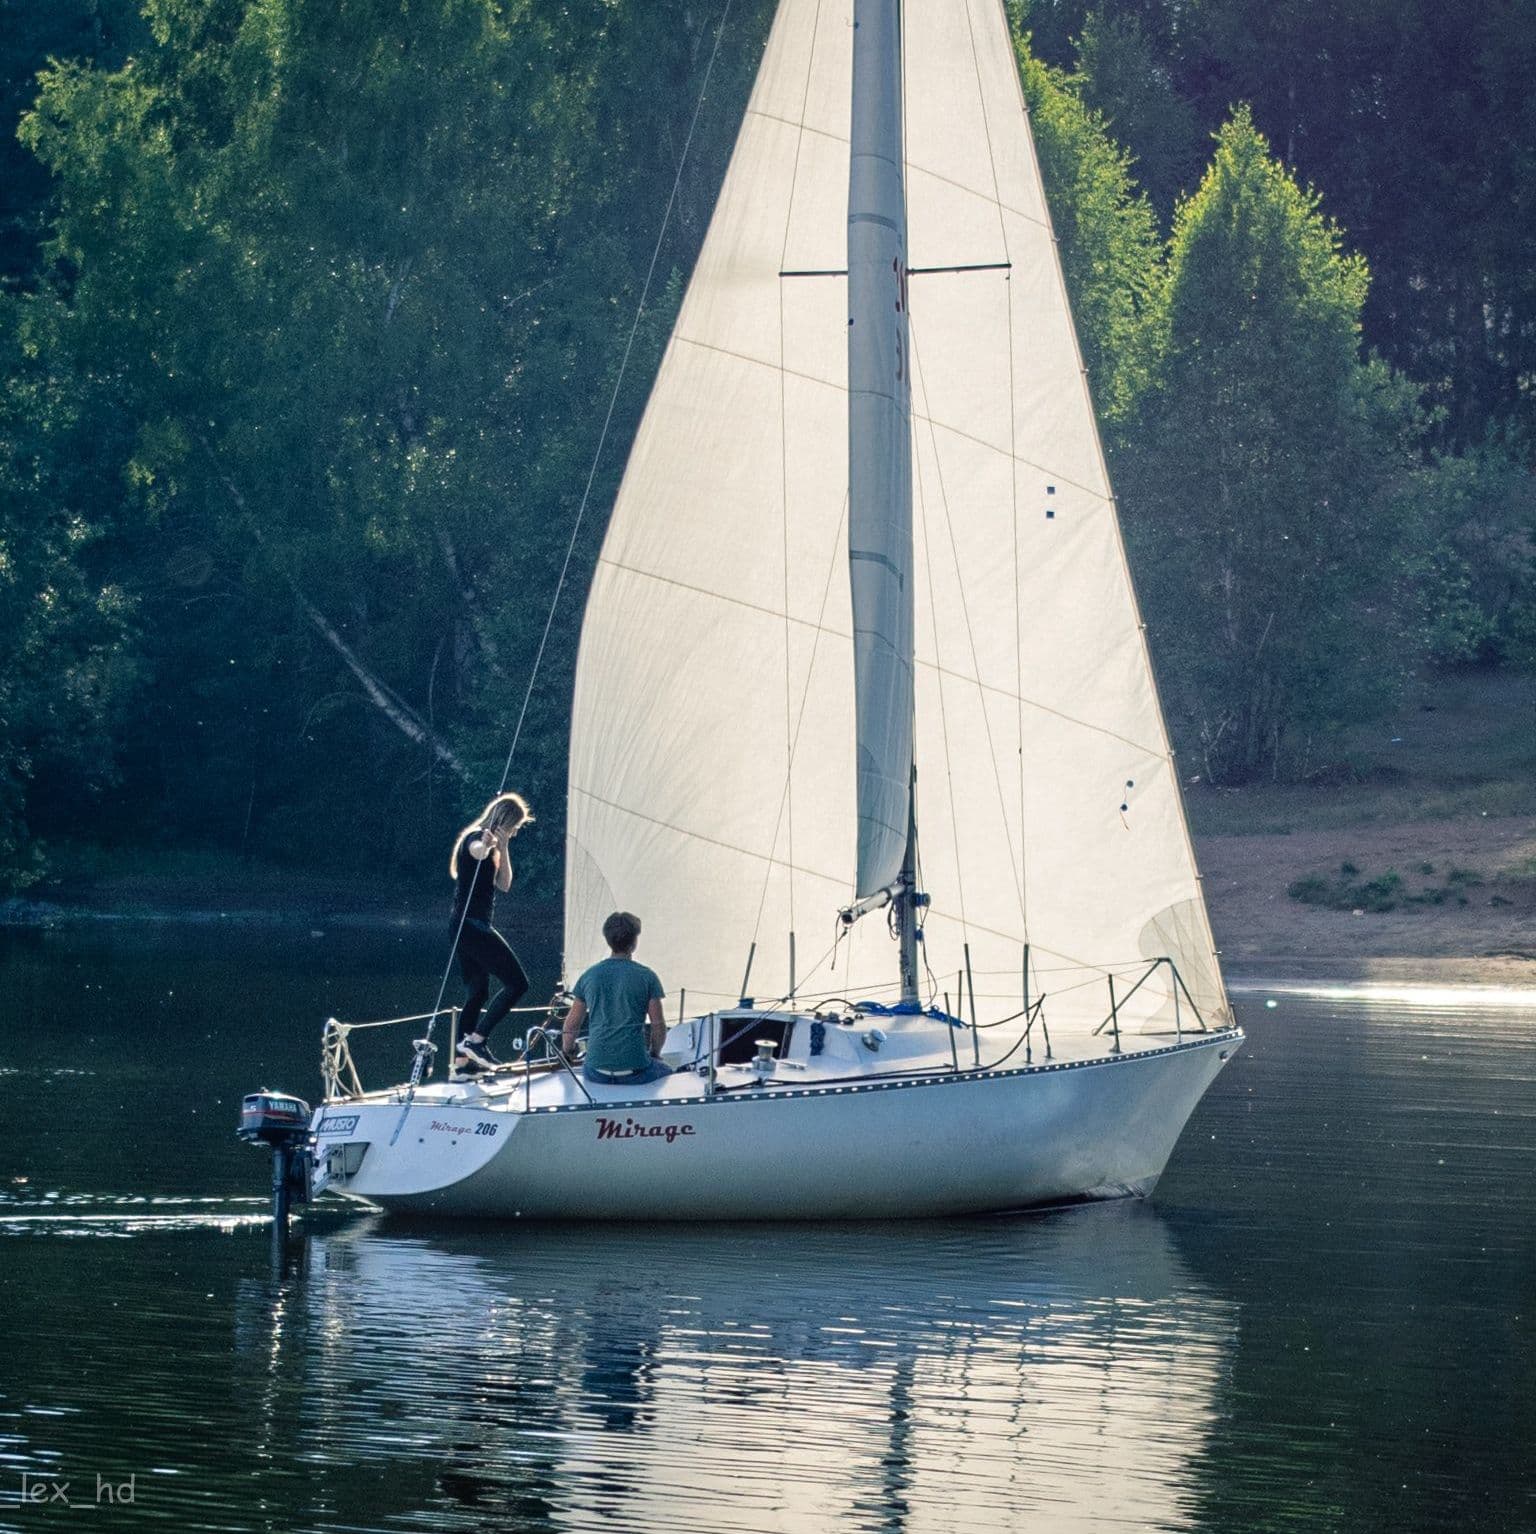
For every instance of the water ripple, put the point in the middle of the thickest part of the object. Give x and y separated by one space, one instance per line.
1323 1321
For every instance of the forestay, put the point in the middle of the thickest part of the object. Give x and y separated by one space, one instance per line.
712 753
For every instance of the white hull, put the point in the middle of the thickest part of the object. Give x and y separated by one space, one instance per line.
944 1144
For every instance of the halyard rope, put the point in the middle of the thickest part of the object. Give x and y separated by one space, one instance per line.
423 1054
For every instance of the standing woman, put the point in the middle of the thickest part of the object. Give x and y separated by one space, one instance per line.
479 865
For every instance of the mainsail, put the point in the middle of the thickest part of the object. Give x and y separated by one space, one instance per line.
880 449
713 760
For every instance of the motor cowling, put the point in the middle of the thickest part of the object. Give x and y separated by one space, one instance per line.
274 1118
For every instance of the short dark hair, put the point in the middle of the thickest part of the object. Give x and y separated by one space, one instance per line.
621 932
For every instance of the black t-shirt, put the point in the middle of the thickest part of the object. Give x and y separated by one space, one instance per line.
476 882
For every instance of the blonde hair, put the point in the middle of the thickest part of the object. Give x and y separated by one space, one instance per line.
504 812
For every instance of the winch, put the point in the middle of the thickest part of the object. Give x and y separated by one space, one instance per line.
280 1121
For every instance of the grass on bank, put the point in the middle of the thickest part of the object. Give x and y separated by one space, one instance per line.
1351 890
1463 744
1389 891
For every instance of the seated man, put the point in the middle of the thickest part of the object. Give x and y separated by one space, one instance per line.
619 996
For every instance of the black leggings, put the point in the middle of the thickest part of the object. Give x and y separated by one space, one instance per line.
484 952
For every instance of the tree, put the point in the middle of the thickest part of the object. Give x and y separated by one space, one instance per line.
1476 582
1120 74
63 622
1419 121
1257 486
30 35
1110 248
357 275
1416 118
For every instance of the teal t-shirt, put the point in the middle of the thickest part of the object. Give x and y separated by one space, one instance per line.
617 993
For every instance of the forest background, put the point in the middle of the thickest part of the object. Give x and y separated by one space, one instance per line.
310 311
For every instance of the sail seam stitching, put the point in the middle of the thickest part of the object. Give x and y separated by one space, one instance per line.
758 362
1002 452
746 852
924 665
713 841
912 165
944 426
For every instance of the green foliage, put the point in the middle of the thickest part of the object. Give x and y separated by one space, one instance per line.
302 391
30 34
1120 75
1419 121
356 276
1476 581
1387 891
63 621
1257 488
1383 893
1109 243
1416 118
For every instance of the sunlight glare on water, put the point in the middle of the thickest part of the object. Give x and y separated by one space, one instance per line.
1454 998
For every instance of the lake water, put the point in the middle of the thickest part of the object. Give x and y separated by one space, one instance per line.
1324 1321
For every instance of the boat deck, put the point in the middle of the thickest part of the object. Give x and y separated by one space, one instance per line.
843 1057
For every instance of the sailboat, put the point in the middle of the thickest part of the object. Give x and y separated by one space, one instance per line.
864 725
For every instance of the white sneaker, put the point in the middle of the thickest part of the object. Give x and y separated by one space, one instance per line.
477 1053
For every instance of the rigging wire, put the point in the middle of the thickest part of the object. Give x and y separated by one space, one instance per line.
423 1054
965 610
1013 460
789 731
938 657
805 694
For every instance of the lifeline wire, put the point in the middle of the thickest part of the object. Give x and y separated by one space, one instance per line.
419 1063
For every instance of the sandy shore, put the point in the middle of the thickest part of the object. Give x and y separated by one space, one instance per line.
1490 939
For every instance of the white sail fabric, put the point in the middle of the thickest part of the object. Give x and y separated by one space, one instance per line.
713 767
879 449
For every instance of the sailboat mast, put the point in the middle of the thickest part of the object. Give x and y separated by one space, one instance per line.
880 473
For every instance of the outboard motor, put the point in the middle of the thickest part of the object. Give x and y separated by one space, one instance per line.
281 1122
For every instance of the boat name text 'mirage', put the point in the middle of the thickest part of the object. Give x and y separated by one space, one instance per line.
612 1129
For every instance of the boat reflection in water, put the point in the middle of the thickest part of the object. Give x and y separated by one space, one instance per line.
1058 1373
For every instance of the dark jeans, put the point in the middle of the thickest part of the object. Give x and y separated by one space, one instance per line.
483 953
